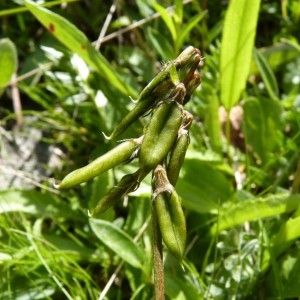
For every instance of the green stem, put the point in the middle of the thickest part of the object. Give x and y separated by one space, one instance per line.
159 281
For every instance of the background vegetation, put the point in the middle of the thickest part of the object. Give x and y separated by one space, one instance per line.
239 184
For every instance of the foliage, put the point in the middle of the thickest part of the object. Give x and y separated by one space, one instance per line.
240 180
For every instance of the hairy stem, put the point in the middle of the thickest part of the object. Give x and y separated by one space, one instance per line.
159 281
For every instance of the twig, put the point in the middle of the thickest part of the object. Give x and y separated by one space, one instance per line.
106 24
135 25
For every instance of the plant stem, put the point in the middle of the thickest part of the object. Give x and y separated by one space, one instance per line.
159 281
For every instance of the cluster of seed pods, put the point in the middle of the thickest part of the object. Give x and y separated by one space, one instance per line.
160 150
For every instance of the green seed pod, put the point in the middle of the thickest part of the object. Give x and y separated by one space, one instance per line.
161 93
183 63
127 184
161 133
169 213
178 152
191 87
111 159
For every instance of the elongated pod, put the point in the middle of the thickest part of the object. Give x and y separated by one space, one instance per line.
178 152
161 93
118 155
169 213
126 185
162 131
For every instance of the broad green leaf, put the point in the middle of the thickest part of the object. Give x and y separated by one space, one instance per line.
177 289
118 241
266 74
77 42
276 55
255 127
212 122
237 48
36 203
8 61
165 15
262 125
289 270
254 209
202 188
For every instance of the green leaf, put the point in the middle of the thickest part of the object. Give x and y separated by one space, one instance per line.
165 15
276 55
77 42
255 127
212 121
202 187
36 203
177 289
160 44
186 29
118 241
256 208
237 48
267 74
262 125
8 61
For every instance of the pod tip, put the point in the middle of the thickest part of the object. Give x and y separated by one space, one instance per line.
55 185
107 137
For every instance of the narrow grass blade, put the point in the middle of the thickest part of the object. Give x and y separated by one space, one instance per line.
266 74
236 49
165 15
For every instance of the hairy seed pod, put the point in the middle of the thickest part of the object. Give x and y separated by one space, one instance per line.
191 87
186 60
161 93
118 155
161 133
127 184
178 152
169 213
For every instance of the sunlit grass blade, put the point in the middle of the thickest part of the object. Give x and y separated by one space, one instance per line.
266 74
236 49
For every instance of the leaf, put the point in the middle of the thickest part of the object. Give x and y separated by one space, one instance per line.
212 121
276 55
255 127
177 289
118 241
36 203
165 15
254 209
262 125
77 42
202 187
8 61
237 48
186 29
267 75
161 44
